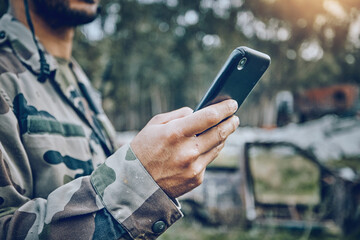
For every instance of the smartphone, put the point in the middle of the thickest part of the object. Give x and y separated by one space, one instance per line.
239 75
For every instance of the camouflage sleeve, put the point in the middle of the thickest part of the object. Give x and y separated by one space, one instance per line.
70 212
119 200
73 211
132 197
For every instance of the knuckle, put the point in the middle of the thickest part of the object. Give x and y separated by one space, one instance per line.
196 169
173 135
222 133
187 110
190 156
196 175
194 154
156 118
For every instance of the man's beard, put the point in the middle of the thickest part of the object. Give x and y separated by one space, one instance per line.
58 13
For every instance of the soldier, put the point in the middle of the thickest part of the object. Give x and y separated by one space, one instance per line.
60 174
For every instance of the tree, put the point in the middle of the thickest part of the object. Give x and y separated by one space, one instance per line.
152 56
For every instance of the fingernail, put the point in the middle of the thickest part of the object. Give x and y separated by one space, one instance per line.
234 105
237 119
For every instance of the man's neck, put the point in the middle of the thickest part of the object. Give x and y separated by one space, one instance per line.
58 42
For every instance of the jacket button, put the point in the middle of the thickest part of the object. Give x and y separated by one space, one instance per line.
2 34
159 227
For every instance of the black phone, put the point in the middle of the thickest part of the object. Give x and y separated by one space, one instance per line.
239 75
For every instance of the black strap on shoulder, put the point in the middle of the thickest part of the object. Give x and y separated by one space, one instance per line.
44 66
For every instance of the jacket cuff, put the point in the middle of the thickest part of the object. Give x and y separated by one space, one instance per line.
132 197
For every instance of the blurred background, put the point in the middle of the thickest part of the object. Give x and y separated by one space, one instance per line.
153 56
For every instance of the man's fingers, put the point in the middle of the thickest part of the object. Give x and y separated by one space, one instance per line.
205 159
196 169
217 135
167 117
206 118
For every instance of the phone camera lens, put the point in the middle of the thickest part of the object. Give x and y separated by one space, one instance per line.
242 63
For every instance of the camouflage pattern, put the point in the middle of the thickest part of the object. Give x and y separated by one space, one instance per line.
56 179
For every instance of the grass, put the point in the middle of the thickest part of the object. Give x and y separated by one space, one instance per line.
187 229
272 172
351 162
284 177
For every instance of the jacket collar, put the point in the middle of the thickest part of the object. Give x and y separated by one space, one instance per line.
21 41
20 38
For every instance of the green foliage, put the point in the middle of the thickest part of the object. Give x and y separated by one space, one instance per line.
287 185
186 229
162 55
154 56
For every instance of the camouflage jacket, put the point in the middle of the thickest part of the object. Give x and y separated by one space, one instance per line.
56 181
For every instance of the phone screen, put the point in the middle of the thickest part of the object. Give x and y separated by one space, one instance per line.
240 73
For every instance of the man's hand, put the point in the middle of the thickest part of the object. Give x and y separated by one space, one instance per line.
176 147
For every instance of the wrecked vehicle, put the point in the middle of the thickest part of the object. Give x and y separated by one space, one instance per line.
295 190
293 177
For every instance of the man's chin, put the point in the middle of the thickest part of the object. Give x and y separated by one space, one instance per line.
88 6
90 1
66 13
